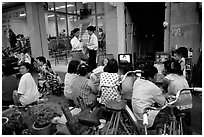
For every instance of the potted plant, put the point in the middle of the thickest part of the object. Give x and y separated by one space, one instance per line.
42 115
7 126
17 122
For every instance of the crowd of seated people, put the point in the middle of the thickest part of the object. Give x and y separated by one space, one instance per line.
101 85
145 90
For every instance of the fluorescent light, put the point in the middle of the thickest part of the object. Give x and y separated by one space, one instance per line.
50 16
62 18
22 15
62 7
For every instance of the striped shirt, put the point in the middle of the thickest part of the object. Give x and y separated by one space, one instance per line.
82 89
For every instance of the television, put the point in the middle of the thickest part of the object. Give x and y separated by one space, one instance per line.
124 59
161 57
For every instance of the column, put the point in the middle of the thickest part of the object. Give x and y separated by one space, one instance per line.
167 30
37 29
121 28
110 21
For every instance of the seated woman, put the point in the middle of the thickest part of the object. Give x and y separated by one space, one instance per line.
95 75
27 92
84 88
53 81
70 76
108 80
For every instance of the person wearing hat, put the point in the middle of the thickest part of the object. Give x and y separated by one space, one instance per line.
77 47
92 45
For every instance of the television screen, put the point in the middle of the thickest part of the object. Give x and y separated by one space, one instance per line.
124 58
161 57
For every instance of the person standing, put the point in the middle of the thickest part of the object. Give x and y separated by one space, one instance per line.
101 39
77 47
12 38
92 46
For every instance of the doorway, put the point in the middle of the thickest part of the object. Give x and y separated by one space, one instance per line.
146 35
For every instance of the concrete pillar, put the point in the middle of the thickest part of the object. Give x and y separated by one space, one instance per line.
37 29
110 19
46 23
167 30
121 28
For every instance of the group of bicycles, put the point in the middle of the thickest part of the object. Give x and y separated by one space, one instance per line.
121 119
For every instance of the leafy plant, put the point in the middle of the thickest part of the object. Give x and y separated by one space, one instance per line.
42 114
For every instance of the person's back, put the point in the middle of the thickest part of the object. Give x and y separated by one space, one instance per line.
84 87
81 88
109 90
174 82
108 82
69 78
145 94
178 82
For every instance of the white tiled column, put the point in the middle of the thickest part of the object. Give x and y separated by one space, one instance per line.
121 27
37 29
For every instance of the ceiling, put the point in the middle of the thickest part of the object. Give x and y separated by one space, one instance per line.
60 7
6 6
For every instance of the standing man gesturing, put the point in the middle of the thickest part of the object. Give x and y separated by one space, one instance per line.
77 47
92 46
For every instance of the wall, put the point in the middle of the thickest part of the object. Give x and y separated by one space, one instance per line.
19 27
111 29
185 29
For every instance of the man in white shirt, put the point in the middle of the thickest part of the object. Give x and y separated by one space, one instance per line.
146 94
77 47
27 92
92 46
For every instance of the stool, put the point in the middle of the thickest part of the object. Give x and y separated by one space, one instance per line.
116 107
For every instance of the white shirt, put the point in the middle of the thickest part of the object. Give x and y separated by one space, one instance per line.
76 44
177 83
27 58
28 89
93 40
68 82
145 94
182 62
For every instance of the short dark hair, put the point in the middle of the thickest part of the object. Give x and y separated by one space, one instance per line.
149 71
83 69
167 65
183 51
125 68
72 68
75 30
42 59
91 28
112 66
176 68
27 65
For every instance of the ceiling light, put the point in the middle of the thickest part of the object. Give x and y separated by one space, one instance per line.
22 15
62 18
61 7
50 16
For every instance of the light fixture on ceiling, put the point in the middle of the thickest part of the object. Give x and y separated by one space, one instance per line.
62 18
49 16
22 15
61 7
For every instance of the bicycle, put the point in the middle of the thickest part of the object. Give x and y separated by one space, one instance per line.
174 125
